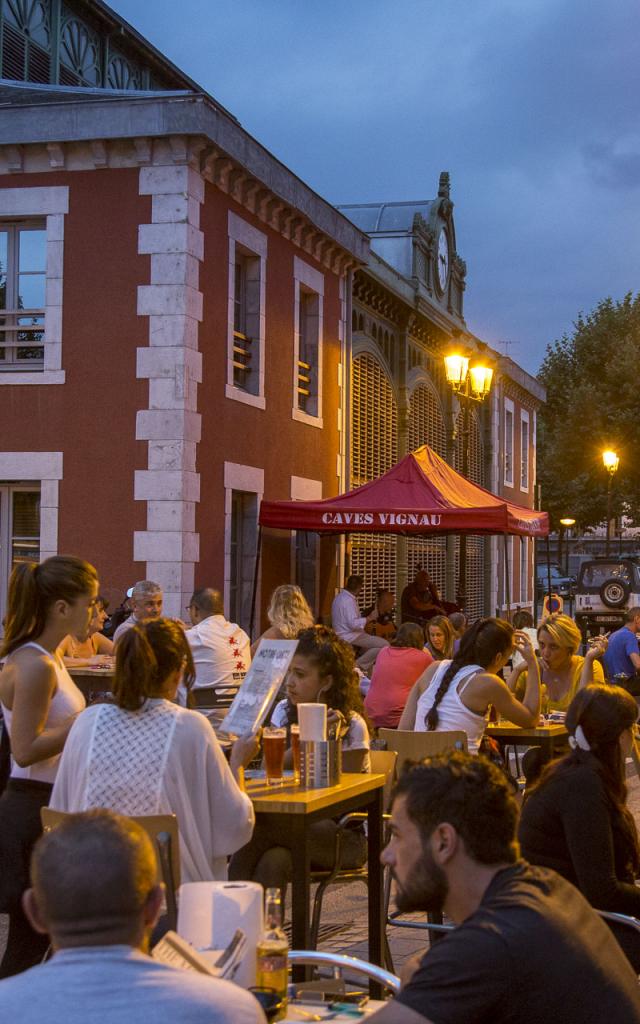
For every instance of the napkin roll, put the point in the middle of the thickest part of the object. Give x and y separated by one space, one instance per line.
313 722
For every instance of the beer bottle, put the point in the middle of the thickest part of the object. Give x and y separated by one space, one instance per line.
273 948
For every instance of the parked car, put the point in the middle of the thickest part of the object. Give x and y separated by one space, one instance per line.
561 584
605 589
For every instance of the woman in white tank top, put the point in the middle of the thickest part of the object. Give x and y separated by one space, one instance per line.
456 694
39 704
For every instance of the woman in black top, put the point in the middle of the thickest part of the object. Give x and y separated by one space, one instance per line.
575 819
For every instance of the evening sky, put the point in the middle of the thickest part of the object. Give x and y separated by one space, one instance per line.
531 105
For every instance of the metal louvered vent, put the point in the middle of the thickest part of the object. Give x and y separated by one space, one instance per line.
374 451
14 50
426 426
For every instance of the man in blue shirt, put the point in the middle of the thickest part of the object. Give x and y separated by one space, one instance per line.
623 655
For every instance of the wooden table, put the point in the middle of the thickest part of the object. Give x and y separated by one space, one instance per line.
91 680
292 810
547 737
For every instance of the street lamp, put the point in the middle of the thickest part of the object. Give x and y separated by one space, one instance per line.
610 461
471 383
564 524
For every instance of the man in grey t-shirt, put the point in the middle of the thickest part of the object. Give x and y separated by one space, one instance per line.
95 893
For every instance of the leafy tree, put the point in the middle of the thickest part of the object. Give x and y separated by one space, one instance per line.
592 381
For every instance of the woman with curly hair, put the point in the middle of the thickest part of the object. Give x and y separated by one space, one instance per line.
575 819
322 670
288 613
456 694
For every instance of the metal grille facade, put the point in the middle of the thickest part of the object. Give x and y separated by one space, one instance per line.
475 545
427 426
374 450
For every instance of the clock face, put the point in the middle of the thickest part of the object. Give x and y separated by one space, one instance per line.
443 259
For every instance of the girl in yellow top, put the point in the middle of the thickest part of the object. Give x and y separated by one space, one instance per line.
563 670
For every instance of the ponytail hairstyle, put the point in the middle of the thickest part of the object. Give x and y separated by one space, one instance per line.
33 588
603 713
146 655
478 646
332 657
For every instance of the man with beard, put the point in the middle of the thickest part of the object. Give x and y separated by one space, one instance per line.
526 946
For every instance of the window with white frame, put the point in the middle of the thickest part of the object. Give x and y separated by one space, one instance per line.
246 319
524 570
524 450
308 327
508 442
19 531
31 277
23 264
305 547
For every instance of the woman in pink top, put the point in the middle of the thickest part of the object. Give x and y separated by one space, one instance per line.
396 669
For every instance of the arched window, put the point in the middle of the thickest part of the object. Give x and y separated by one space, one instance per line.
374 450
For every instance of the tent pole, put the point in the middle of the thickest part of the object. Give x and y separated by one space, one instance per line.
548 573
255 583
507 576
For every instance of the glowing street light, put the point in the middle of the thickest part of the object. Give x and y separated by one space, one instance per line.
610 461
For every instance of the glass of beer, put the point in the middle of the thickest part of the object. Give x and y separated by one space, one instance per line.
274 742
295 750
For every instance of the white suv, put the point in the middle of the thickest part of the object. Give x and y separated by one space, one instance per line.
606 588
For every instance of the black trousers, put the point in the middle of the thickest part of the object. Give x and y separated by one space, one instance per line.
20 827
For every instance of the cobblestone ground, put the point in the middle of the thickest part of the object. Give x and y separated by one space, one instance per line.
344 916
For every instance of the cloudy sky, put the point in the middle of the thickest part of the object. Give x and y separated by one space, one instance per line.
531 105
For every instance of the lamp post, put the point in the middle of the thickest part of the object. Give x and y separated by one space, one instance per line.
471 383
610 461
564 523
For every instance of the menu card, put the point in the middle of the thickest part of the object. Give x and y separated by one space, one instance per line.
259 689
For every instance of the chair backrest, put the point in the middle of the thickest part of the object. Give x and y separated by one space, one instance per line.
215 697
414 746
339 962
157 826
623 919
383 762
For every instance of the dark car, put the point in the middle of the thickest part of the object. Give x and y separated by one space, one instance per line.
605 589
560 584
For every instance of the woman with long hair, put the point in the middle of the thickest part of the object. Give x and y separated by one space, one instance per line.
97 649
396 669
440 637
575 819
456 694
146 755
322 670
39 704
563 671
288 614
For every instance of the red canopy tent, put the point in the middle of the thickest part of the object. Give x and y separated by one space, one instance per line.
422 494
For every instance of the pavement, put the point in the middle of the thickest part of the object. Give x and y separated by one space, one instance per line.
344 914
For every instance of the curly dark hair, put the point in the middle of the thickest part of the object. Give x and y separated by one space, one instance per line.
333 657
478 646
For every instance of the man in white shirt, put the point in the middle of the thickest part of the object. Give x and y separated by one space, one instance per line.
349 624
146 603
221 650
95 894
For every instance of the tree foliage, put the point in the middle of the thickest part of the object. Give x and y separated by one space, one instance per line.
592 382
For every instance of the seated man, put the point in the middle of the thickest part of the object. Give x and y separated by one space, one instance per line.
146 603
527 947
384 625
221 650
420 600
95 894
350 625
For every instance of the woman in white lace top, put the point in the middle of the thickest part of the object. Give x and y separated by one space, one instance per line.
146 755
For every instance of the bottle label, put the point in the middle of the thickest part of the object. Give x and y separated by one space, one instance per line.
270 964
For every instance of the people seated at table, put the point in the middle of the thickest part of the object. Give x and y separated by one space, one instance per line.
526 946
146 755
350 625
575 819
459 622
288 614
146 604
220 649
322 670
439 638
384 625
94 892
39 704
563 670
622 657
456 694
420 600
96 650
118 615
396 669
523 621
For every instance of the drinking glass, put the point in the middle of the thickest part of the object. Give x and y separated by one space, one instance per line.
274 742
295 750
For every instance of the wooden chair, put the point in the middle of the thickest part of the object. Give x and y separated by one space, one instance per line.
414 746
162 830
383 762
